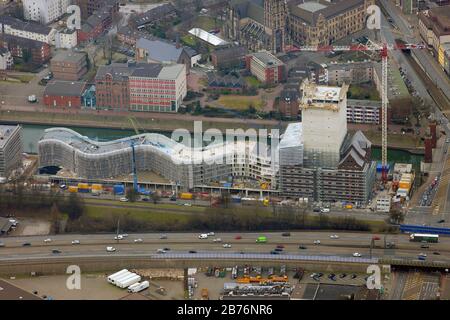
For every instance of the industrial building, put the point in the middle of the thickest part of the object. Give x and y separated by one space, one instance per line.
11 149
266 67
68 65
186 166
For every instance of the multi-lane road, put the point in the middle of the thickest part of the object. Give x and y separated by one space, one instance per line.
345 246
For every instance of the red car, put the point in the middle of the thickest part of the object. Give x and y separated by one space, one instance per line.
280 246
238 238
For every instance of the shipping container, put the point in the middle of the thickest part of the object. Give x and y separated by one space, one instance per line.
83 186
97 188
73 189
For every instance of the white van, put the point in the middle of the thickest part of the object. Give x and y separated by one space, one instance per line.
203 236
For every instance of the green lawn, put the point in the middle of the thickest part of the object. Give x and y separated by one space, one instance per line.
240 102
252 81
189 40
206 23
363 92
144 206
139 214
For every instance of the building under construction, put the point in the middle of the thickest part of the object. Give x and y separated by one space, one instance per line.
332 164
185 166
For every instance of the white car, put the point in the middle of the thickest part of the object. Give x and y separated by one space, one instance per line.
357 254
119 237
188 205
160 251
217 240
423 255
124 235
211 234
203 236
76 242
316 241
110 249
48 240
124 200
226 245
334 236
324 210
138 240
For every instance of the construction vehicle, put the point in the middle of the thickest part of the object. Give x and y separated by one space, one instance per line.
186 196
383 49
205 294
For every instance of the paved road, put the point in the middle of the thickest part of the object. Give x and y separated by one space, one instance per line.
428 62
345 246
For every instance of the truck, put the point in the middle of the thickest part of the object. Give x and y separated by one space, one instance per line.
186 196
117 274
261 239
128 282
138 287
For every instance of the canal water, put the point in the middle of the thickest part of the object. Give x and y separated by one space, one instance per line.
32 134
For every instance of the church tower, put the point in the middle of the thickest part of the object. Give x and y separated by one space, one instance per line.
275 16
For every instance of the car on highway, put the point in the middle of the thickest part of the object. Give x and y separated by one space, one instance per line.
187 205
26 244
118 237
138 240
302 247
124 200
357 254
226 245
353 276
163 236
274 252
316 241
110 249
217 240
203 236
278 249
286 234
56 251
167 249
2 244
280 246
436 253
192 251
422 254
160 251
211 234
424 246
47 240
441 221
75 242
334 236
324 210
238 238
261 239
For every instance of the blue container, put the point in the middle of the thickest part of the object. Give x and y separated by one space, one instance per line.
227 185
379 167
81 190
119 189
236 199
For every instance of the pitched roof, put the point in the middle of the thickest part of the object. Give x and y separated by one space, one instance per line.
160 50
28 26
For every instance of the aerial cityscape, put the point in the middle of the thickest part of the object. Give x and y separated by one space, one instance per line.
224 150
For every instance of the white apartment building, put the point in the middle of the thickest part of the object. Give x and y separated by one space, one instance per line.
66 39
28 30
44 11
324 114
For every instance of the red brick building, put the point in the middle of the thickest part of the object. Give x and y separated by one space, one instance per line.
64 94
266 67
31 51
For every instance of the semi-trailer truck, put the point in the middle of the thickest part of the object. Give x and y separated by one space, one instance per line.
138 287
122 278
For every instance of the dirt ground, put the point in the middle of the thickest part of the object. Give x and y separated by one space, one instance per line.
32 227
93 287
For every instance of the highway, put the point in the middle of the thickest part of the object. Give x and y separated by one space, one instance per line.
344 246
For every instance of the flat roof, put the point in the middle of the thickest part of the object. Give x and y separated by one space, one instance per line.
311 6
267 58
9 291
208 37
5 133
68 56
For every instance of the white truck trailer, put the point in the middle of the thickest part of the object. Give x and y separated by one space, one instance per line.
138 287
117 274
128 282
122 278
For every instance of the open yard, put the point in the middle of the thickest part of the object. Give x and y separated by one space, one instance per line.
240 102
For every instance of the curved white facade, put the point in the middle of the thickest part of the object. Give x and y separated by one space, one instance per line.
154 152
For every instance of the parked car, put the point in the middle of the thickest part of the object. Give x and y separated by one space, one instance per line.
124 200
